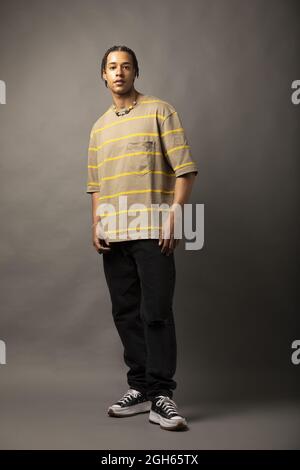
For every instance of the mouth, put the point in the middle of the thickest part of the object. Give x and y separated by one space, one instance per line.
119 82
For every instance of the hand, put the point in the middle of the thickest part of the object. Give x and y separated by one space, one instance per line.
166 236
100 240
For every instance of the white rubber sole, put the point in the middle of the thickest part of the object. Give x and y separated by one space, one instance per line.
170 425
129 410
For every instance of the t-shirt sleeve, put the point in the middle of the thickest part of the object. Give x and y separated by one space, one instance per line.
93 183
175 145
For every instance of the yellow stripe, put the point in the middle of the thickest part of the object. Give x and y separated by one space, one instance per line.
174 131
139 191
102 115
106 142
109 214
122 156
153 101
139 153
141 172
173 149
117 122
184 164
133 228
129 155
159 172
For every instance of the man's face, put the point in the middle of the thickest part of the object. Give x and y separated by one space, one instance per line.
119 66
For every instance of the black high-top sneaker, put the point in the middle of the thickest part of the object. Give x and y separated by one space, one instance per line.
164 412
132 402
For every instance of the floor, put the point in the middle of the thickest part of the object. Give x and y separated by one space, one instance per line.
62 405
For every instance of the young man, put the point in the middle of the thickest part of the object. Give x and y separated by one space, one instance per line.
138 153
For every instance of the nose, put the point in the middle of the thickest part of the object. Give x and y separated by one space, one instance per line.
119 71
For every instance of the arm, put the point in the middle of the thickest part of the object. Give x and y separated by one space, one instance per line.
95 217
99 244
183 189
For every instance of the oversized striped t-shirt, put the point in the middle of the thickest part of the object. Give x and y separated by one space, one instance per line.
133 162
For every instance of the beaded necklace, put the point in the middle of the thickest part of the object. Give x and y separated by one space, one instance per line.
124 111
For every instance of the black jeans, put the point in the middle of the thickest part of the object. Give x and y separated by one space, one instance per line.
141 282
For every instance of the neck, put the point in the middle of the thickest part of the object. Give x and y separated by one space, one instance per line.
125 100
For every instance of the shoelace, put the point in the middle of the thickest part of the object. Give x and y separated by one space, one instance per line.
128 395
167 404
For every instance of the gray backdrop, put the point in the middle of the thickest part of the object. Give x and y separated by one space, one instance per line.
227 67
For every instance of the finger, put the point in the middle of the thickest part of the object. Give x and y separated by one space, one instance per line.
96 244
104 243
170 251
165 245
104 239
171 246
103 248
160 238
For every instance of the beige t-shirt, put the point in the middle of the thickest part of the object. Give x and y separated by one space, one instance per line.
134 159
